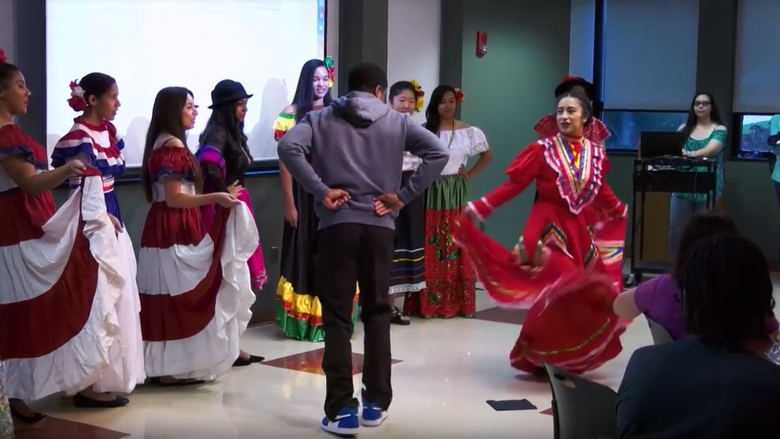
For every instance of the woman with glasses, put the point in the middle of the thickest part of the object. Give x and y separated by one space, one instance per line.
705 136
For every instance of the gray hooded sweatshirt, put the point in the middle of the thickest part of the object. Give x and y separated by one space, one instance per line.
357 144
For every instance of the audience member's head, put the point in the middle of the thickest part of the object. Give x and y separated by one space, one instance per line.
727 291
369 78
702 225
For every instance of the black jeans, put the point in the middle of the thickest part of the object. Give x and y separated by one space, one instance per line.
348 255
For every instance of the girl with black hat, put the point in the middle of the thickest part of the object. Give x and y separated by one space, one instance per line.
224 158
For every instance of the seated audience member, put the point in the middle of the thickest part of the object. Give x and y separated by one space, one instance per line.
659 299
717 383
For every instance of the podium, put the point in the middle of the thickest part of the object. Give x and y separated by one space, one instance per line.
665 175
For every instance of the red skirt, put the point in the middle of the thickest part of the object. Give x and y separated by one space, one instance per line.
571 323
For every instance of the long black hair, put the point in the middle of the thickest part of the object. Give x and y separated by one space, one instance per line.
690 123
432 116
223 121
727 291
166 119
304 92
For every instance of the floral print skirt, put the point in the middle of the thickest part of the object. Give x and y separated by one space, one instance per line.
449 275
6 421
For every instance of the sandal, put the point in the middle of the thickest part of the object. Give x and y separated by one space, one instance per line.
398 318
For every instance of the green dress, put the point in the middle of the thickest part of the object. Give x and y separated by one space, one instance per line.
298 312
698 144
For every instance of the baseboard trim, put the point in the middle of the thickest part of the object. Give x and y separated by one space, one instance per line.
264 317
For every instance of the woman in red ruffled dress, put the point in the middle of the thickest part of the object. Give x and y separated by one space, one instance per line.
566 266
194 284
60 272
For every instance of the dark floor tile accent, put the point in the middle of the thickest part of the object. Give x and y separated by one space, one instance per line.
511 405
311 362
502 315
65 429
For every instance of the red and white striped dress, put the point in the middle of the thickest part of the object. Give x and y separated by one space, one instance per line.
59 281
100 146
194 285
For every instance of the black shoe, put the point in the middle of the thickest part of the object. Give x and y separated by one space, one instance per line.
241 362
84 402
176 382
398 318
27 423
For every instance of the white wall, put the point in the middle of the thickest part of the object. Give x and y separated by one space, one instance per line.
413 35
7 28
331 40
583 19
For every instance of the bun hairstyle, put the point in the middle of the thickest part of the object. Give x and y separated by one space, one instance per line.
7 70
582 98
94 84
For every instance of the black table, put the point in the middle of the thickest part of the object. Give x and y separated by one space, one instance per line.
665 175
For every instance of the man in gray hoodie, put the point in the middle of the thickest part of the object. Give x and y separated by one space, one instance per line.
357 146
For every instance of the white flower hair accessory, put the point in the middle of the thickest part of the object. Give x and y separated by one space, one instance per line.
77 101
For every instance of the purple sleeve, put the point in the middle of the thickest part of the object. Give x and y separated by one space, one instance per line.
643 294
210 154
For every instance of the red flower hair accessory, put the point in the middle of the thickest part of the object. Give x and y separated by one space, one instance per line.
331 66
76 100
459 96
3 58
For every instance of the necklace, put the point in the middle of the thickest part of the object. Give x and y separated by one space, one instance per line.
452 135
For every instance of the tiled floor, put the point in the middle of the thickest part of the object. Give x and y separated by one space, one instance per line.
445 372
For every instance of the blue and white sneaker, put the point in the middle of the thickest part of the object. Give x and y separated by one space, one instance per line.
346 423
372 415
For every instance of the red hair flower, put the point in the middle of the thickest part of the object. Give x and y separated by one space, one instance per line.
76 100
3 58
459 96
331 66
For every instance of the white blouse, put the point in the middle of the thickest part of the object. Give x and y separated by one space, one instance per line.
462 144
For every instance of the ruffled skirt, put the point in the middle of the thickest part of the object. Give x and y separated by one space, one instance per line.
195 295
60 285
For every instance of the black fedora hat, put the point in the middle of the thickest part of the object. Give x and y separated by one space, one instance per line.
227 91
569 82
